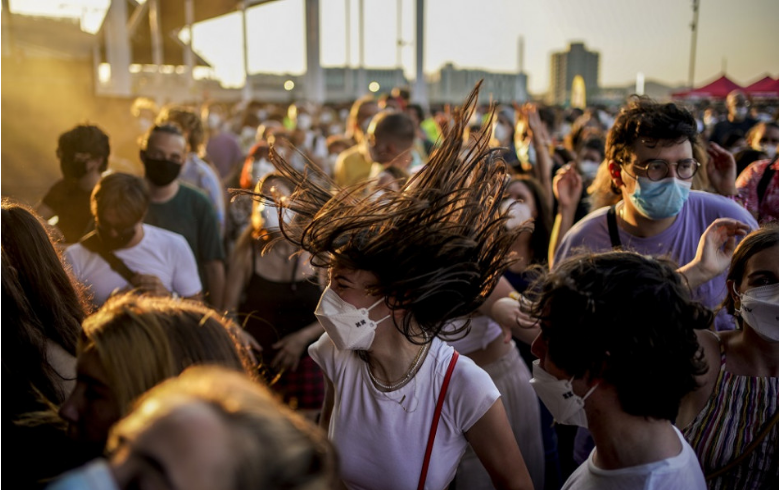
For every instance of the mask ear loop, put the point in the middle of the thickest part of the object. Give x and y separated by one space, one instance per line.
737 300
366 312
589 392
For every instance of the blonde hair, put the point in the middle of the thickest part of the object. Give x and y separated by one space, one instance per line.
274 448
140 341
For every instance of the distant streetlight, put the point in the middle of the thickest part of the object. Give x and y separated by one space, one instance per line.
374 87
289 85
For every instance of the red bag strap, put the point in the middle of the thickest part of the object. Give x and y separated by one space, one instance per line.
435 419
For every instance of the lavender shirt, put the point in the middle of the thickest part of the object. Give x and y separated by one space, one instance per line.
679 241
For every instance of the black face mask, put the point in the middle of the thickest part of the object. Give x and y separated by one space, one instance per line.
160 172
73 168
123 237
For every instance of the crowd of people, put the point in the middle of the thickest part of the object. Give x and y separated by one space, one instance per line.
377 296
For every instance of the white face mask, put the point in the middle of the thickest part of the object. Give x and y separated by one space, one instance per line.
501 132
271 217
759 309
95 475
589 168
261 167
350 328
248 133
740 113
144 123
770 150
304 121
518 212
558 396
214 120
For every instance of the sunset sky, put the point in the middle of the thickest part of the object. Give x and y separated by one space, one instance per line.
652 37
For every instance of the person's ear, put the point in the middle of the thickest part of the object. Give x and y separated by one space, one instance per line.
615 172
731 287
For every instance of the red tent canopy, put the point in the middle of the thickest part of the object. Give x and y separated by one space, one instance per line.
717 89
766 87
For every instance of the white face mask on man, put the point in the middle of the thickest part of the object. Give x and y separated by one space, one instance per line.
559 397
349 327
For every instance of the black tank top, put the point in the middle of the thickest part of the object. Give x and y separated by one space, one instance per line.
272 310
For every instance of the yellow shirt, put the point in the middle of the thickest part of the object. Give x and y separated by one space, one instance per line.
351 166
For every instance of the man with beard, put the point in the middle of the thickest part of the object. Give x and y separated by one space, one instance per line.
123 253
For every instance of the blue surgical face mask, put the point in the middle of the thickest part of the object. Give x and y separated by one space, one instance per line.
95 475
660 199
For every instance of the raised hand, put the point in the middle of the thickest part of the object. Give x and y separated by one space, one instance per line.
567 186
713 255
721 170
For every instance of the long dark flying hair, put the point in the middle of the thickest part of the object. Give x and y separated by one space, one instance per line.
57 300
437 246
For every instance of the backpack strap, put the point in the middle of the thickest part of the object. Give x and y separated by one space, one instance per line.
611 223
92 242
435 419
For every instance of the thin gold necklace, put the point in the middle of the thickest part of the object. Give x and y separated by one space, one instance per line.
408 375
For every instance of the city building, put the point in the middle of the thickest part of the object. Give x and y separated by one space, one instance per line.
565 67
451 85
342 84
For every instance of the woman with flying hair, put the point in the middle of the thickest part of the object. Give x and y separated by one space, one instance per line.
210 428
401 405
131 344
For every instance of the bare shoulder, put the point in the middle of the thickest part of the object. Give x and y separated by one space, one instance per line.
695 401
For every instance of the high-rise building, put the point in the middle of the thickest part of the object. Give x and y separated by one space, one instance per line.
566 66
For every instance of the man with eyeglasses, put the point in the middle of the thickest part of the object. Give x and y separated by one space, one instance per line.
651 160
738 119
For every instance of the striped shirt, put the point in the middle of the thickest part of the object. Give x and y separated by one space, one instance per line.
735 414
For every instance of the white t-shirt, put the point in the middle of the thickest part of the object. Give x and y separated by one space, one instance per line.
382 437
681 472
161 253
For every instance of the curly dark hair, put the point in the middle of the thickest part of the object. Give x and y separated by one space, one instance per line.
438 246
759 240
628 320
88 139
654 122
